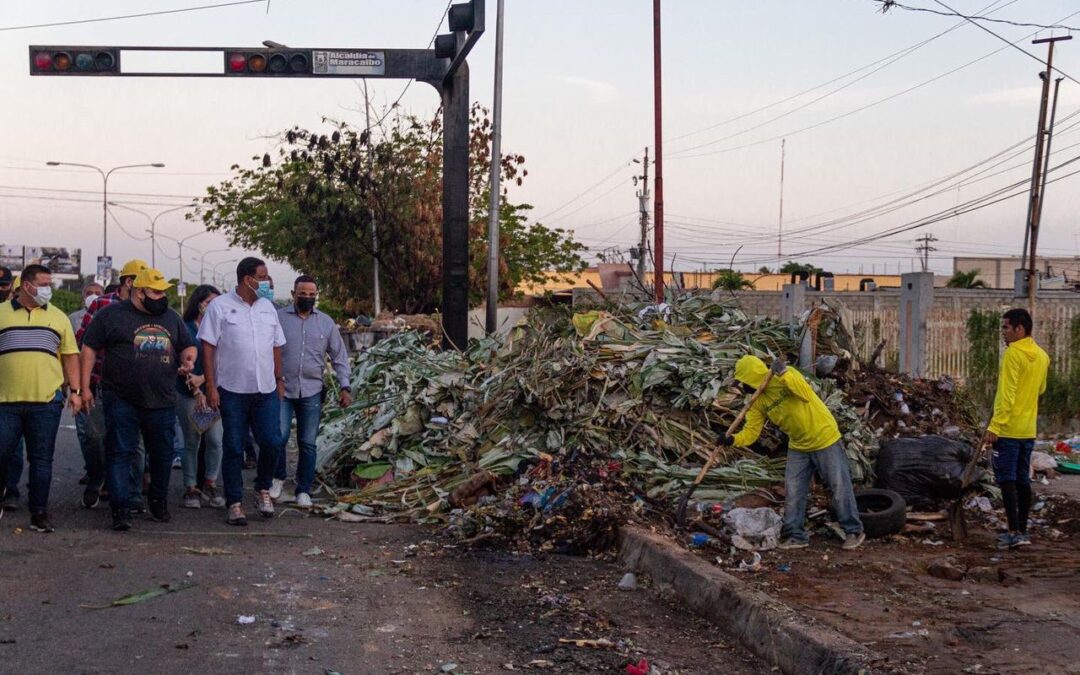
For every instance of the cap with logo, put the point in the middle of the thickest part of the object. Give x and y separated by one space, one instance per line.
133 267
152 279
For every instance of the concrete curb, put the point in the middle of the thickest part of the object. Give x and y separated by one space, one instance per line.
767 627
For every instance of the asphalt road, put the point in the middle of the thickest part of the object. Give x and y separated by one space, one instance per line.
321 597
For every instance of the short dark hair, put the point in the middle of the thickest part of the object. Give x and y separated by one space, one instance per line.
31 272
111 288
304 279
1018 316
247 268
90 284
203 291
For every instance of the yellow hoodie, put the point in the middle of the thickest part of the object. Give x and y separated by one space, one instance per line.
1021 380
789 403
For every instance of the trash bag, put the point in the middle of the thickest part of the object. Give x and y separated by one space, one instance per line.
754 529
925 470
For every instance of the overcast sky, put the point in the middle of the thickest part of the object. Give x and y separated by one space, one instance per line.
578 105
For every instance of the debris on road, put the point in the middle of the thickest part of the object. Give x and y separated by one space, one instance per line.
205 550
628 582
245 620
142 596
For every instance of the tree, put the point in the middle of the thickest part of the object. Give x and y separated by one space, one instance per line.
966 280
313 209
764 269
730 280
792 267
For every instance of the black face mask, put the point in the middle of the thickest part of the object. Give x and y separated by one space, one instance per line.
156 307
747 389
305 305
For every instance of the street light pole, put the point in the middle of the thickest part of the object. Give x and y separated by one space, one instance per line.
105 193
180 246
223 262
202 263
153 226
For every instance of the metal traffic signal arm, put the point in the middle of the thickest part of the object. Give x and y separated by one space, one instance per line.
443 67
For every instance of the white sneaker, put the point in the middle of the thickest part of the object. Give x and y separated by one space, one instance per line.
303 500
276 487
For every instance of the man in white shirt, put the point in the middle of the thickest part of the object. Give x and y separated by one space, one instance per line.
241 345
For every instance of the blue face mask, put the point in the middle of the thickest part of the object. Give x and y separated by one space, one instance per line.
264 291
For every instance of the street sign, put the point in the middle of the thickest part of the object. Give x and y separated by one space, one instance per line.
340 62
104 269
181 289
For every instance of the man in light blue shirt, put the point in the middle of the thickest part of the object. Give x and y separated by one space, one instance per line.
310 336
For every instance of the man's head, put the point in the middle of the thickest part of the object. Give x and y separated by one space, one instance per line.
128 272
35 286
5 283
750 372
92 290
148 292
251 275
1016 325
305 292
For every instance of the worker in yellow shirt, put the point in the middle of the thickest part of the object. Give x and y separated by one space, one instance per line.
813 443
1021 380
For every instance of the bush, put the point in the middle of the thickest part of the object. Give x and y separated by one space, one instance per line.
67 301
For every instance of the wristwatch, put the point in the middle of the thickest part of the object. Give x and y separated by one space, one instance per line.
75 392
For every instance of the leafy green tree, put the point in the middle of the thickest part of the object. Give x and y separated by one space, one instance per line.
66 301
764 269
730 280
792 267
313 208
966 280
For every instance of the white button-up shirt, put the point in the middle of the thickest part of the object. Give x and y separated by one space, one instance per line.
245 336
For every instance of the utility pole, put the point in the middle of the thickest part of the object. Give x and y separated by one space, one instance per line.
643 207
492 316
924 248
1031 232
780 220
371 210
658 130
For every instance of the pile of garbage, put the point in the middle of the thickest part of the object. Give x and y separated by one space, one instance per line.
900 406
552 437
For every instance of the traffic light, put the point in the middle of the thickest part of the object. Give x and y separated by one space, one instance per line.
463 18
74 60
277 62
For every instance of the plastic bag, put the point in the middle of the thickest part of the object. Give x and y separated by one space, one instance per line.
924 470
754 529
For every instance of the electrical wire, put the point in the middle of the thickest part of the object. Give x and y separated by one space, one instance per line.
890 4
134 16
409 83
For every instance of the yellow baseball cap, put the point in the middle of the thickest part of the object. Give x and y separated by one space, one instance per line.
133 267
149 277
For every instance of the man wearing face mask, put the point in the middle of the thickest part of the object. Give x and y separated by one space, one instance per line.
91 291
15 466
37 353
91 444
241 346
310 336
145 345
93 421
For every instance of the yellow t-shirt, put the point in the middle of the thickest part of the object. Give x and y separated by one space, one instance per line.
31 343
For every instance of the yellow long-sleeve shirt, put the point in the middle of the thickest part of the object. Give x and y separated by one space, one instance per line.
789 403
1021 380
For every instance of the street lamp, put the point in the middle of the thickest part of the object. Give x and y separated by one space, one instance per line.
223 262
153 226
202 263
180 245
105 193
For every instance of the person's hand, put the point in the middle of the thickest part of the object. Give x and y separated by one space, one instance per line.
281 389
344 398
213 398
778 366
194 382
185 368
76 402
87 401
991 437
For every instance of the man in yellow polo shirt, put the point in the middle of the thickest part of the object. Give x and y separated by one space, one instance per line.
813 443
37 351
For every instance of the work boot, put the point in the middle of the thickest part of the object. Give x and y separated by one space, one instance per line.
159 511
264 503
236 515
789 544
853 541
121 520
39 522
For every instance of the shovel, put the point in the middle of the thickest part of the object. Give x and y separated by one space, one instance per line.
680 511
956 512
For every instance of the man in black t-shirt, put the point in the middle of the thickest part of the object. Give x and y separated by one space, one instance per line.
145 345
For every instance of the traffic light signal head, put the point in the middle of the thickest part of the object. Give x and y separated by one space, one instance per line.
282 63
74 61
466 18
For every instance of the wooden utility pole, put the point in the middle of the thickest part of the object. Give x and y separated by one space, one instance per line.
1031 232
643 207
658 131
924 249
780 220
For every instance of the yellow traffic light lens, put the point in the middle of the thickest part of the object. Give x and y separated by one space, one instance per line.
62 61
257 63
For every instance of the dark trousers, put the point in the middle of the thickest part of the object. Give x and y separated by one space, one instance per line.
124 425
259 413
36 424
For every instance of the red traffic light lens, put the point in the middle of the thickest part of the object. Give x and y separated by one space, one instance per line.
61 61
237 63
256 63
43 61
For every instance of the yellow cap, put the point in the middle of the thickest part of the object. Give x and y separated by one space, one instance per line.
150 278
133 267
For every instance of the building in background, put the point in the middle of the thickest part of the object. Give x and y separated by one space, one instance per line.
1000 272
65 263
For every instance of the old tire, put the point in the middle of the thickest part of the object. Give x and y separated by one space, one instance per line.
882 512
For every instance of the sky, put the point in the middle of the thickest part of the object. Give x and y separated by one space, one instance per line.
911 99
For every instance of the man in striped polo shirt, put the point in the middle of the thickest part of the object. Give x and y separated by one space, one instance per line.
37 351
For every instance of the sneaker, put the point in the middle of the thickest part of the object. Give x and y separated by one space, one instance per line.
91 496
191 499
137 506
264 503
210 494
1019 540
159 511
1005 540
790 543
303 500
176 465
276 488
250 463
11 503
236 515
853 541
121 520
39 522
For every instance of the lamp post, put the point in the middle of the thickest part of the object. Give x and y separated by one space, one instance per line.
214 275
105 192
180 246
202 263
153 226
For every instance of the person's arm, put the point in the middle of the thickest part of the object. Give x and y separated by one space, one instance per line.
89 356
339 359
209 356
186 349
751 430
72 375
797 385
1008 380
187 359
279 373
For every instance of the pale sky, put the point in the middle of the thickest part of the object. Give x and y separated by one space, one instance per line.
578 104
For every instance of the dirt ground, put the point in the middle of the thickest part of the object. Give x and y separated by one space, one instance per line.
1011 612
322 597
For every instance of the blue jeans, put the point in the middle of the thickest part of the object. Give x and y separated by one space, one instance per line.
1012 460
37 424
124 425
15 469
90 428
308 411
185 407
261 414
832 465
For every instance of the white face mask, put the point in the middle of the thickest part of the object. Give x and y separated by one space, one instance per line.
90 300
43 295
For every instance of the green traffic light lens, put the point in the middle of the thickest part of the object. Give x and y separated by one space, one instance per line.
84 62
278 63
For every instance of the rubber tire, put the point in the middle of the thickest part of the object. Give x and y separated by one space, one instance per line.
882 512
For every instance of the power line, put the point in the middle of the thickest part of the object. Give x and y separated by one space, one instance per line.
589 189
134 16
409 83
886 5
